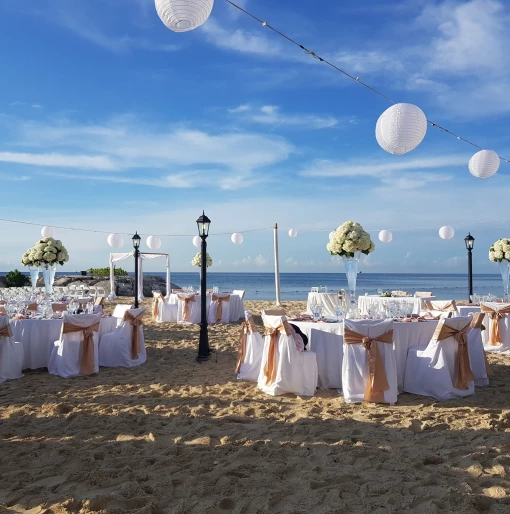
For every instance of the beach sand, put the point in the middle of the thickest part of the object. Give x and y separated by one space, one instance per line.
175 436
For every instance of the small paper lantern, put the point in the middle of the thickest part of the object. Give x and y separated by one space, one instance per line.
332 234
154 242
115 240
446 232
237 238
401 128
484 163
197 241
292 232
48 232
184 15
385 236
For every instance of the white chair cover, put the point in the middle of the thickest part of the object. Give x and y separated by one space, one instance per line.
477 357
120 309
250 358
166 311
504 329
440 308
239 292
296 372
432 370
213 309
11 354
194 308
355 367
66 354
115 347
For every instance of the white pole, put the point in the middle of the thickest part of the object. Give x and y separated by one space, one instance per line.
276 265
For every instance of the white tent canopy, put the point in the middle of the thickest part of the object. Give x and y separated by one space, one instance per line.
116 257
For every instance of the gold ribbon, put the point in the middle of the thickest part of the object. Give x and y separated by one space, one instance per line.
377 382
155 305
136 322
464 372
220 300
98 301
432 306
59 307
2 310
5 331
270 367
186 311
247 327
495 316
87 358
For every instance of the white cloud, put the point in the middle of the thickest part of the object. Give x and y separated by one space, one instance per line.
240 108
260 260
59 160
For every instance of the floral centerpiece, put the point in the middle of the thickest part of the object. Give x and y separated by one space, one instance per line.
349 241
197 260
45 254
500 252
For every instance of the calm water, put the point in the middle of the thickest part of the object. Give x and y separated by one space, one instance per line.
295 286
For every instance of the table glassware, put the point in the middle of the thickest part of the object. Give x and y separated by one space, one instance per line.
338 312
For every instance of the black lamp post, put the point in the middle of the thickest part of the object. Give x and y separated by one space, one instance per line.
136 244
203 345
470 243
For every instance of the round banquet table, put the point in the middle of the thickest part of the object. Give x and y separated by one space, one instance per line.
39 335
376 302
328 301
236 306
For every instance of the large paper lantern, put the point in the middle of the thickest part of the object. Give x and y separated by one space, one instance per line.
237 238
401 128
446 232
115 240
184 15
197 241
385 236
484 163
154 242
48 232
292 232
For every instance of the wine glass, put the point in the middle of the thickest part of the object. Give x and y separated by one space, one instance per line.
338 312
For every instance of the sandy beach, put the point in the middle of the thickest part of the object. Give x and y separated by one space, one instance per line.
175 436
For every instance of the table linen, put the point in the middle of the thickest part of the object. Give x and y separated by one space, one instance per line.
376 302
328 301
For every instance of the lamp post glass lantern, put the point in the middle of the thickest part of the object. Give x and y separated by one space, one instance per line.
203 223
470 243
136 245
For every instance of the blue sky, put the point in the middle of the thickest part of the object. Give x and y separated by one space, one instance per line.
112 122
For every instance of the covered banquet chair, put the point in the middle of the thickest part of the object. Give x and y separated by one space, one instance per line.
188 308
219 308
369 368
120 309
126 345
497 320
283 368
442 369
76 352
250 350
479 365
439 308
163 311
11 353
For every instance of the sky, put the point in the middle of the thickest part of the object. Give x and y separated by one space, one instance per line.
111 122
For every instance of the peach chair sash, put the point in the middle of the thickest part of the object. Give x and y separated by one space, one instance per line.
155 304
2 310
59 307
270 366
136 321
433 306
186 311
495 315
220 300
5 331
87 358
464 372
247 327
377 382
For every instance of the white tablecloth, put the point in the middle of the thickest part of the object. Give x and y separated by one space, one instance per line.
376 302
328 301
236 306
38 336
326 340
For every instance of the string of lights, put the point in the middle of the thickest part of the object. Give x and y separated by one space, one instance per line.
349 75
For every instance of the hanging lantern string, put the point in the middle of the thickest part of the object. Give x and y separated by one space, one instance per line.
347 74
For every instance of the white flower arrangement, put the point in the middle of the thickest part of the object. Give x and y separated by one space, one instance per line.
500 250
45 252
197 260
349 238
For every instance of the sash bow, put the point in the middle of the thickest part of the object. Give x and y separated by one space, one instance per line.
186 311
495 315
220 300
136 322
247 327
270 367
432 306
87 358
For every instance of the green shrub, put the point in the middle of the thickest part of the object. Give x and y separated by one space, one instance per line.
105 272
16 279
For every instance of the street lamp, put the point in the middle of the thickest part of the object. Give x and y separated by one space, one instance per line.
203 345
136 245
470 243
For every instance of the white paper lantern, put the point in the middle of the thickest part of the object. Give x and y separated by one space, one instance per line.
237 238
292 232
154 242
184 15
385 236
115 241
197 241
48 232
401 128
484 163
446 232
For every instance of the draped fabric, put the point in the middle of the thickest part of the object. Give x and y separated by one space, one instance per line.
220 299
477 324
155 305
186 299
11 353
136 322
247 327
270 366
5 331
116 257
87 359
446 306
464 372
377 382
495 316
